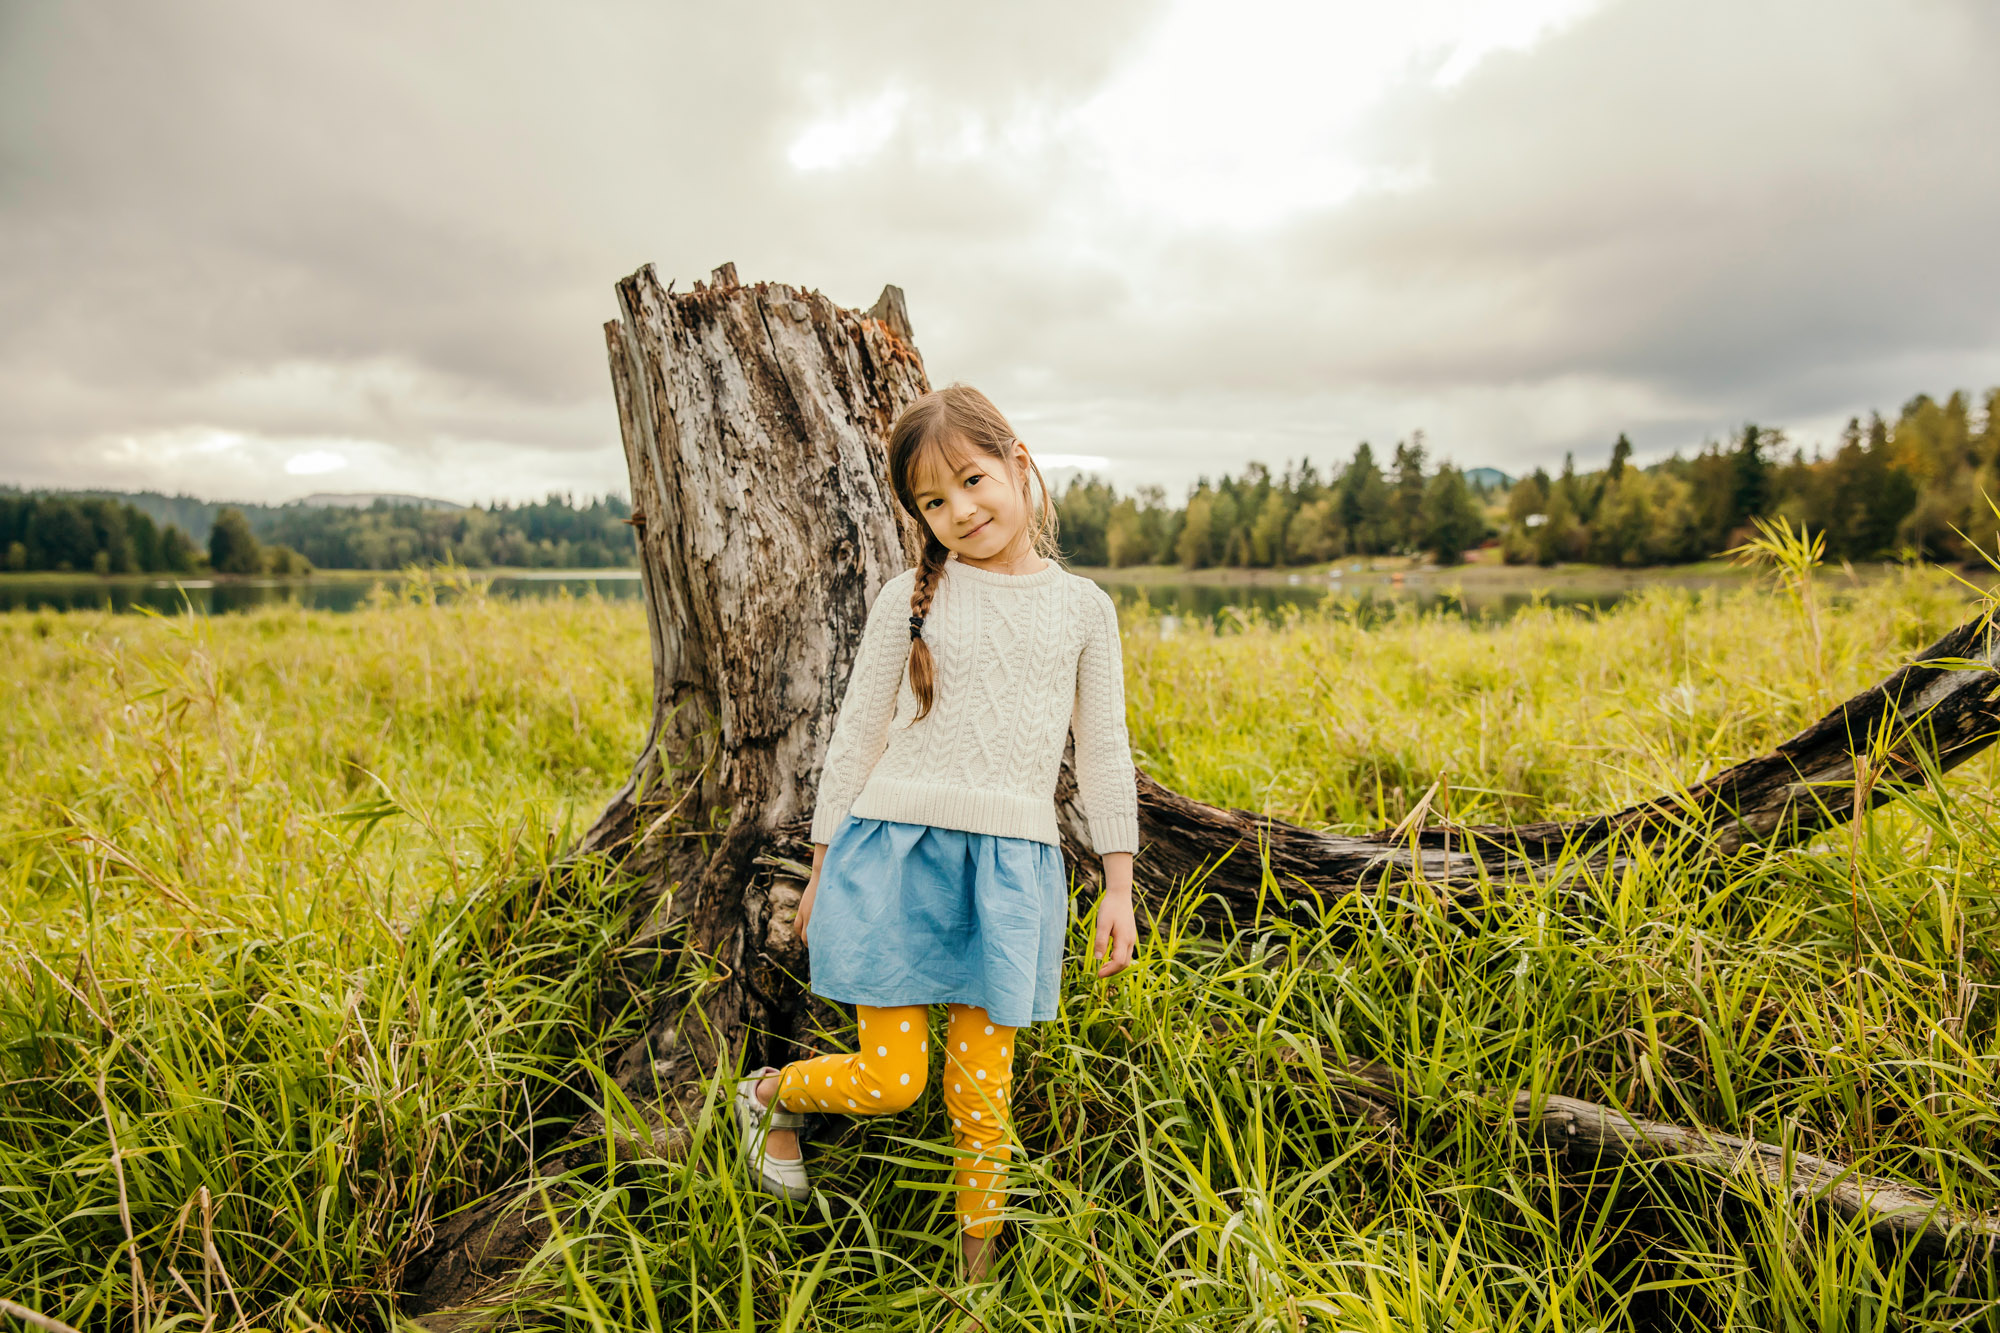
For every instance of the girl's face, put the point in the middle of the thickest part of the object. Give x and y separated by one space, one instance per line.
979 510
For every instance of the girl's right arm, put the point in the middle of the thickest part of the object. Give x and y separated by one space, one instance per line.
861 729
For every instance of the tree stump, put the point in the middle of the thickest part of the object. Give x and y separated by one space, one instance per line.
755 421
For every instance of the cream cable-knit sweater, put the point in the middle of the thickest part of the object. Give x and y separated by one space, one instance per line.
1022 659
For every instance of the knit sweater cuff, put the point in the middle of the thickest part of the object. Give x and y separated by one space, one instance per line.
826 821
1114 833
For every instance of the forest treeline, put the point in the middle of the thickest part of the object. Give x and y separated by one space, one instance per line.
116 534
556 533
1889 488
88 534
1910 485
1297 518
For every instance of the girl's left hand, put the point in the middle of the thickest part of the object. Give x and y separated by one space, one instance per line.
1116 932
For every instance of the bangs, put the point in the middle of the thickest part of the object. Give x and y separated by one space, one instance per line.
940 458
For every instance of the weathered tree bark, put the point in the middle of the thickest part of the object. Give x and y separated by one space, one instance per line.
754 421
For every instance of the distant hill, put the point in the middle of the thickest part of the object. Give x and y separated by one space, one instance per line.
363 499
196 516
1492 478
188 513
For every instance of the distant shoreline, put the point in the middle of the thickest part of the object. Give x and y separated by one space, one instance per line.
317 576
1376 573
1402 571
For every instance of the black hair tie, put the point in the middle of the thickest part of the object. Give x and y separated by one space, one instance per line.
916 627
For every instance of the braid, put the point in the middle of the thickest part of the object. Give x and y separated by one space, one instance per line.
923 669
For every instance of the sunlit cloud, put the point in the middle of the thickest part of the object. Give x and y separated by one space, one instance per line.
851 135
1249 113
208 441
1240 114
313 462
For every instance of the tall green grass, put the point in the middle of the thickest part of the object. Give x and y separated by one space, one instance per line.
270 879
269 884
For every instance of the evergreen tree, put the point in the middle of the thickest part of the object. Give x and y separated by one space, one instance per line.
1580 496
1868 495
1560 537
1619 530
1307 486
1196 535
1452 521
1268 532
1125 540
1750 490
1527 508
1083 515
232 547
1712 478
59 537
1409 493
144 538
178 554
1621 454
1364 504
1225 535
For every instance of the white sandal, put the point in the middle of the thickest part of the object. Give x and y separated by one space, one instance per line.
774 1175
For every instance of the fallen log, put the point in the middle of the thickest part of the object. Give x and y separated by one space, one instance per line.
754 420
1590 1136
1894 1212
1928 717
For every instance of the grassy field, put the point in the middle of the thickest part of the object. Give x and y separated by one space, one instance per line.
278 990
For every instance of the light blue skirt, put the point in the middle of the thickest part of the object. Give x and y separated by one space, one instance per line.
912 914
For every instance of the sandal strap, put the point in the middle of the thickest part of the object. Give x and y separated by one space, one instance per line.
776 1116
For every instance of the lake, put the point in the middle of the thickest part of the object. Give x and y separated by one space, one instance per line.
341 590
1368 604
1368 589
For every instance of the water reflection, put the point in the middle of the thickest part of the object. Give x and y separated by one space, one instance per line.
1222 603
215 597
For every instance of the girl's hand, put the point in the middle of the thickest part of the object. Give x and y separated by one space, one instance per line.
805 908
1117 932
805 911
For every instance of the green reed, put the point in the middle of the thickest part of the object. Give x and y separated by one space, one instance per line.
273 920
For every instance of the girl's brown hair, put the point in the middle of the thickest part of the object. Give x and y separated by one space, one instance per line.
950 425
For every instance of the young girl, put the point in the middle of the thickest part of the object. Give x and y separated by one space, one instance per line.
938 875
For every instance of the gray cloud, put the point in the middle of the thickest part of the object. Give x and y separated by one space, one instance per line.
233 233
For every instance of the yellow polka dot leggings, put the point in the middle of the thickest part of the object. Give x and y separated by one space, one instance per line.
889 1072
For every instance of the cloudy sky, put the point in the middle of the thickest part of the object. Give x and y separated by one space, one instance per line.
252 250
